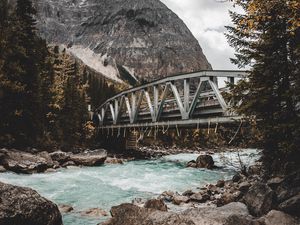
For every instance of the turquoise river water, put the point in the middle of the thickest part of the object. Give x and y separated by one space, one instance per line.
109 185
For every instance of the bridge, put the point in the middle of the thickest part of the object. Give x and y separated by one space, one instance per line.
184 100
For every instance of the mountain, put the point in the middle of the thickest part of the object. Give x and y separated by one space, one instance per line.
122 39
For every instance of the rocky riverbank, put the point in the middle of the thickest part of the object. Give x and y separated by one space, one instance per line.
38 162
35 161
243 200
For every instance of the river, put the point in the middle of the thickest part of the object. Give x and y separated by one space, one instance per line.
109 185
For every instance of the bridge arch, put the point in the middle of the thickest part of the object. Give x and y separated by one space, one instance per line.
180 100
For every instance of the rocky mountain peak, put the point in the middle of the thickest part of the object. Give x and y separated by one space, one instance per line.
122 39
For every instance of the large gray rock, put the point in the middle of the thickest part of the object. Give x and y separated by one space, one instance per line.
275 217
156 204
128 214
259 199
89 158
133 38
205 161
24 206
23 162
217 216
60 156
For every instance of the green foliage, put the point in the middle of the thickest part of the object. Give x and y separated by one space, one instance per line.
267 39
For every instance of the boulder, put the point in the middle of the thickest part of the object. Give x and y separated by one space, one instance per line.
94 212
167 195
244 186
291 206
47 158
227 198
60 156
216 215
254 169
197 197
205 161
220 183
24 206
50 170
89 158
68 163
236 178
259 199
65 208
129 214
2 169
241 220
113 161
156 204
188 193
192 164
178 199
23 162
275 217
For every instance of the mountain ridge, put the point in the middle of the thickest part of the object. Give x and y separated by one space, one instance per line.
144 38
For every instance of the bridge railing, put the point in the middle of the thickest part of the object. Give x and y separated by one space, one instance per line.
175 98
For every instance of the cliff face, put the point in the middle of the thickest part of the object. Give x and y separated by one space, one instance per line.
139 39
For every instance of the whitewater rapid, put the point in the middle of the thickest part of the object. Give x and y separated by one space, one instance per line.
109 185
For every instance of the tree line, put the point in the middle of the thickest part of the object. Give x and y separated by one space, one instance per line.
266 37
44 92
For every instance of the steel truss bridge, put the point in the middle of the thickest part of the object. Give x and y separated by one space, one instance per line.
184 100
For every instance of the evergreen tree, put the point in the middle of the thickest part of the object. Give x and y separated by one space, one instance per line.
266 38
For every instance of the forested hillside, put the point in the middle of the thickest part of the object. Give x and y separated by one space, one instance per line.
44 91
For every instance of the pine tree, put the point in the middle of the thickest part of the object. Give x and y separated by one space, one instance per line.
266 38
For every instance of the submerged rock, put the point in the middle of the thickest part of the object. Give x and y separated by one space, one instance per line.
24 206
94 212
205 161
65 208
192 164
110 160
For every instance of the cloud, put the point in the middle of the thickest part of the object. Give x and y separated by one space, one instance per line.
206 20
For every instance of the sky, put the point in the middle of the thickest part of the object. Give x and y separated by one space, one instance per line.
206 20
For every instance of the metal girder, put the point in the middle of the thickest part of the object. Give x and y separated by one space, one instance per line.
182 105
181 123
152 113
162 102
196 97
219 96
202 74
179 102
